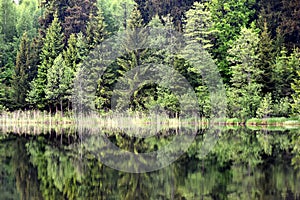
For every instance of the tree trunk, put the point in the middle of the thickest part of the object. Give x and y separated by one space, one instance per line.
61 108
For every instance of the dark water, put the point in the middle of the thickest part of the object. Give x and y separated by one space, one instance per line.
244 164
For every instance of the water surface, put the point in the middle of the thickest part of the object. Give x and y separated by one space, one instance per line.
244 164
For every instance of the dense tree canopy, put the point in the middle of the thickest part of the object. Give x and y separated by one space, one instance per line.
254 44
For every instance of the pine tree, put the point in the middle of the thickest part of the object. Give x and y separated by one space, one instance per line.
20 84
53 45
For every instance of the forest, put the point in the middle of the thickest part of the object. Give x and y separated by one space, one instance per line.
254 44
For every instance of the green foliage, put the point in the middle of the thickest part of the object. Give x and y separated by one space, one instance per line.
284 72
53 45
59 81
244 95
135 34
76 51
96 30
266 56
229 17
8 19
296 96
282 107
265 107
199 26
116 13
20 84
252 62
28 13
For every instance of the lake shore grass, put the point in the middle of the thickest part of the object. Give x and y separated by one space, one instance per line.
35 117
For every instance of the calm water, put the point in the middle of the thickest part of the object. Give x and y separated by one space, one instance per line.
244 164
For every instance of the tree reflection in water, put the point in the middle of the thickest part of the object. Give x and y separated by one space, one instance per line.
244 164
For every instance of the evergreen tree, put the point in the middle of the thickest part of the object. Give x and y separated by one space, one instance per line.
73 57
265 107
8 19
174 8
199 25
115 13
53 45
280 72
135 35
269 13
266 56
51 9
82 46
76 15
199 32
20 84
244 96
59 82
34 60
71 54
27 19
290 22
96 30
284 73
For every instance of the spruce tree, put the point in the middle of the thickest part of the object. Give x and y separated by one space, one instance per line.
71 53
34 60
199 25
20 84
59 82
96 30
53 45
266 54
27 14
135 36
284 72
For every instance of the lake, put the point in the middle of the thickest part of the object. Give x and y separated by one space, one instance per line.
66 164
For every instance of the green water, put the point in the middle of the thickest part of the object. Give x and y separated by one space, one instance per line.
243 164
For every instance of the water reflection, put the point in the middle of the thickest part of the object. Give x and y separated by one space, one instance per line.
244 164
